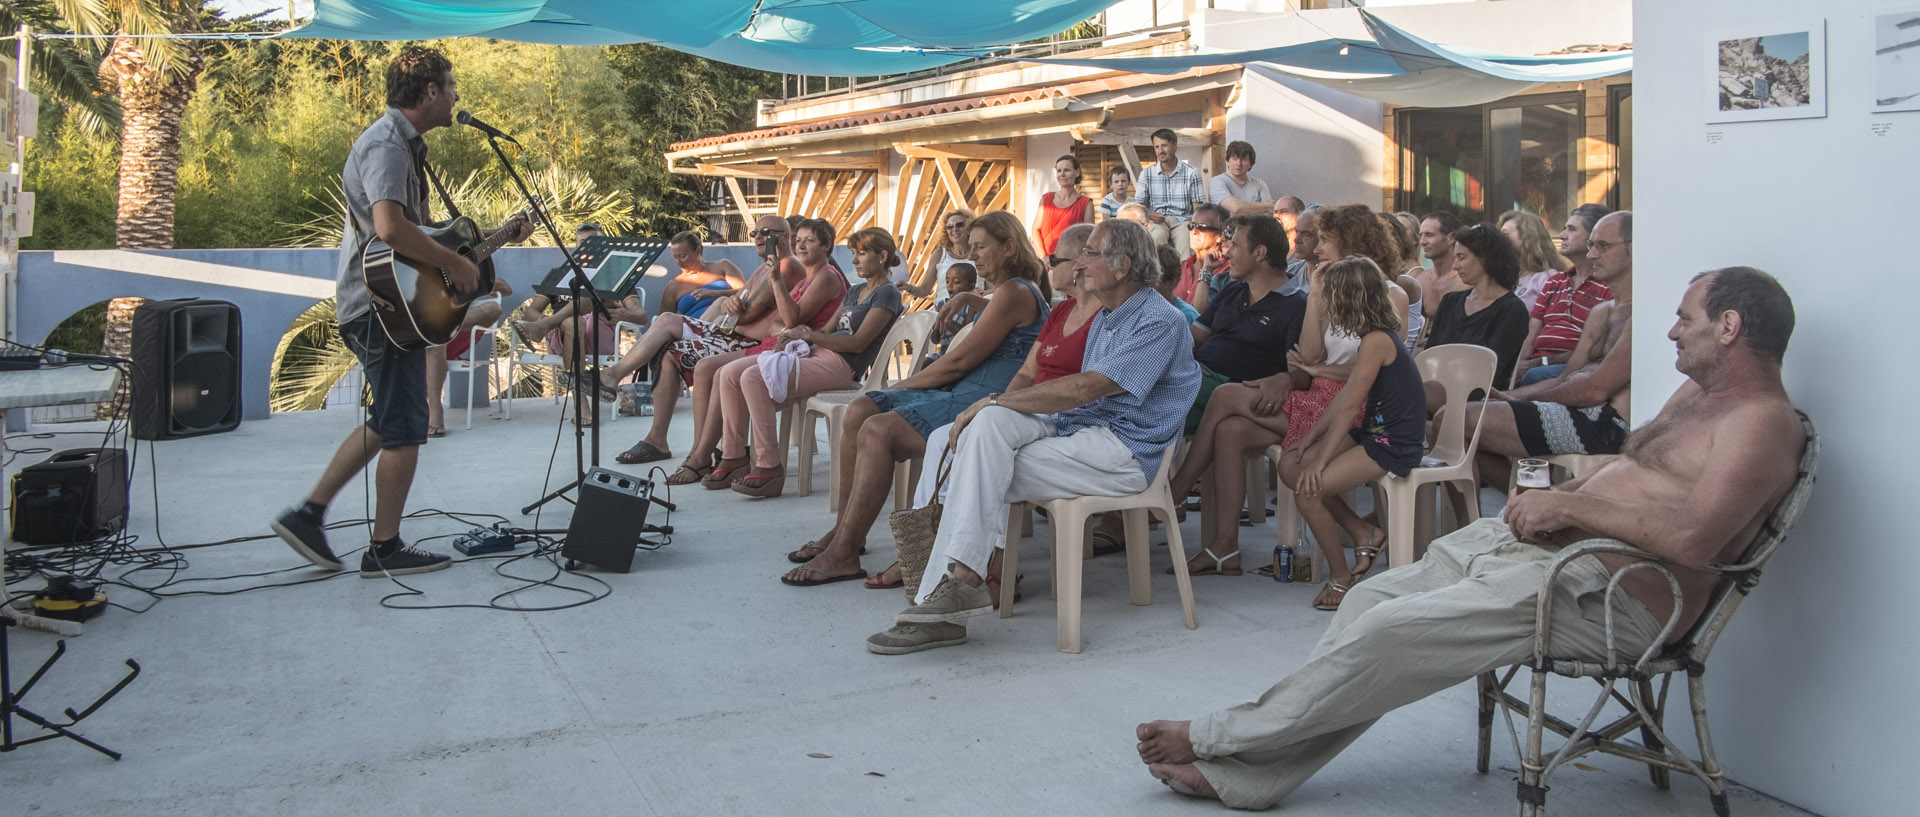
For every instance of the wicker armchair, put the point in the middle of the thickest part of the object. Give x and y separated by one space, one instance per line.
1629 680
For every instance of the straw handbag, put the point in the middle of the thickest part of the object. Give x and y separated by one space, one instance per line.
913 532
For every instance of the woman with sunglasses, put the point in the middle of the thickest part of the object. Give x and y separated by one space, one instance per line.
949 249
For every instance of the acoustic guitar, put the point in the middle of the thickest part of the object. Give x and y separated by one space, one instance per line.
417 304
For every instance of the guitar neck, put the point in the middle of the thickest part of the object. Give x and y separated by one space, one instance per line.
494 241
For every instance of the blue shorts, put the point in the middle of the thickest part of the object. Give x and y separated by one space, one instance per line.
398 380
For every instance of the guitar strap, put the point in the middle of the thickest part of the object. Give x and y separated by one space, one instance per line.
453 212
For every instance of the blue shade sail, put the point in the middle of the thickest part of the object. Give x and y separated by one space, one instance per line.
828 37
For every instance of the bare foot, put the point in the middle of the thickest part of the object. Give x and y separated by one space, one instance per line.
531 330
824 564
1183 778
1367 550
1165 742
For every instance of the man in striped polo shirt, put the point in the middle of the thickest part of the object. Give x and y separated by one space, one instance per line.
1565 303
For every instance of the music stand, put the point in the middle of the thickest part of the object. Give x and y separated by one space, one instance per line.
611 268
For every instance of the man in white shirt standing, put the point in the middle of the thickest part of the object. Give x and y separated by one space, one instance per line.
1240 193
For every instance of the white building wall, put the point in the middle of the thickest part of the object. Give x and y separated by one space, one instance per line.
1309 141
1812 688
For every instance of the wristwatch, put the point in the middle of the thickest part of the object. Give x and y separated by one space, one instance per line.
993 399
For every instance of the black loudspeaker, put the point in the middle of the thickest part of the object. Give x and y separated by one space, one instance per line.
186 368
74 496
607 520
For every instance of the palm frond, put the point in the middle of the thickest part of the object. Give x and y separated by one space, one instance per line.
308 361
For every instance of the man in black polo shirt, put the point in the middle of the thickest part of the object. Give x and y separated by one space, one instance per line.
1247 329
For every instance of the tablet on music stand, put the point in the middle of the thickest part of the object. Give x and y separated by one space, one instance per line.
613 266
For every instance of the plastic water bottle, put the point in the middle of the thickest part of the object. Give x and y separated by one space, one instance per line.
1282 563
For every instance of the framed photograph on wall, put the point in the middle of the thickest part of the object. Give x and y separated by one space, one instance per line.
1767 71
1896 60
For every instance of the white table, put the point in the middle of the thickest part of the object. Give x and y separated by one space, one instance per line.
57 386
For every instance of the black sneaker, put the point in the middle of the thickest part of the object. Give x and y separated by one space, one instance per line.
408 559
304 533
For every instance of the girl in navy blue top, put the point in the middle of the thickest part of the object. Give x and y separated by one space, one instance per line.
1386 393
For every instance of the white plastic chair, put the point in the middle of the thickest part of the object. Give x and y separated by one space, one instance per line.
913 328
517 358
1068 520
1460 369
477 364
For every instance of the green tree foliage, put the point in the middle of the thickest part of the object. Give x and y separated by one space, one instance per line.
267 133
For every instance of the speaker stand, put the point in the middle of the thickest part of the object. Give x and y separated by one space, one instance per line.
10 699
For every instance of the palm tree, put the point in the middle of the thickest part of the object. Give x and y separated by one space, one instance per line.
66 71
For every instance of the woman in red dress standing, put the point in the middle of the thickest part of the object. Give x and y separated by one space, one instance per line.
1062 209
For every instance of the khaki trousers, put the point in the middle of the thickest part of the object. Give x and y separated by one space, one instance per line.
1005 456
1466 608
1173 234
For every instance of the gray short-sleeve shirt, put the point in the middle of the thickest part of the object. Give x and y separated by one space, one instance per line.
1222 187
385 165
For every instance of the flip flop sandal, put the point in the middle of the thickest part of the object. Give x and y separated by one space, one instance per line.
526 341
722 473
641 451
436 432
817 548
771 483
1219 566
1339 592
692 474
824 578
879 580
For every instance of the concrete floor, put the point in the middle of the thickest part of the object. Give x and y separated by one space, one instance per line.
701 685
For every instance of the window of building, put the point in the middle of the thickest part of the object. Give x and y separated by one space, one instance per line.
1620 130
1515 154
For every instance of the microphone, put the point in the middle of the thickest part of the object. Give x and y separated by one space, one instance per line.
466 118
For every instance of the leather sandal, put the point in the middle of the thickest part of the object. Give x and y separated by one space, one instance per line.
762 484
1339 592
721 474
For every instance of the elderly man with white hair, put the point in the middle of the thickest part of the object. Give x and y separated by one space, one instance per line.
1101 432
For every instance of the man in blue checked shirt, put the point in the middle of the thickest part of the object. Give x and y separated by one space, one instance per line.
1101 432
1170 189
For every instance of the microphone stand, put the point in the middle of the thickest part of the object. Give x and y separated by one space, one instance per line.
581 289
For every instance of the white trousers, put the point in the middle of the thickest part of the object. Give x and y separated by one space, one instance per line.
1466 608
1005 456
937 454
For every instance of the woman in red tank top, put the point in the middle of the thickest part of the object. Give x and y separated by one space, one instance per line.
1062 209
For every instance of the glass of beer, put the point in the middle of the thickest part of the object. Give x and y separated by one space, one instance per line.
1532 475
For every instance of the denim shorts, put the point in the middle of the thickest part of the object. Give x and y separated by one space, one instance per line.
398 380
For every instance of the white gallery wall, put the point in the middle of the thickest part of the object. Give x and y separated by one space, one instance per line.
1812 690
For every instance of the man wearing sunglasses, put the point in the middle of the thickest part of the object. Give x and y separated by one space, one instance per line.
1203 273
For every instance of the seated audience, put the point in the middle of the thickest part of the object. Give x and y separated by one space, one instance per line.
1436 243
1383 389
948 250
751 391
1134 212
699 281
885 427
1169 278
1203 271
682 343
1485 313
1245 333
1119 192
1304 238
1169 189
478 315
1062 208
1565 303
1584 410
557 329
964 302
1695 486
1406 279
1352 229
1055 353
1246 416
1539 260
1101 432
1237 192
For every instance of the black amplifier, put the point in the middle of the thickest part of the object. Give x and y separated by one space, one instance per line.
608 520
74 496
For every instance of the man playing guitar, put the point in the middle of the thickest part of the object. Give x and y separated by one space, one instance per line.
385 182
